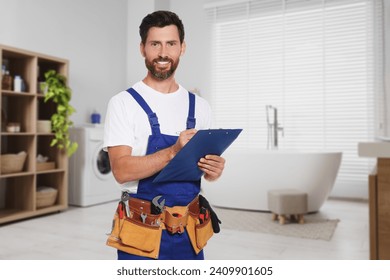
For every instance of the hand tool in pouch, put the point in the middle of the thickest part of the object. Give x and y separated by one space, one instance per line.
124 201
214 218
156 206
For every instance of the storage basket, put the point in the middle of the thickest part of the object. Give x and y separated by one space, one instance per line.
11 163
46 196
41 166
43 126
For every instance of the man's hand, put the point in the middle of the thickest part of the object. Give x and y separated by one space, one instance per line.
212 166
183 139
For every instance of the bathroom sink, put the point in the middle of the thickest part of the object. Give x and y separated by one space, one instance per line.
374 149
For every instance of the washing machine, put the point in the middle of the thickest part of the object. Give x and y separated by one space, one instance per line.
90 178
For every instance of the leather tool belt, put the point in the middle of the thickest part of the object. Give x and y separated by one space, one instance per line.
136 230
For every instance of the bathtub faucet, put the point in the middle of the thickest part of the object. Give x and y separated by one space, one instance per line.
273 127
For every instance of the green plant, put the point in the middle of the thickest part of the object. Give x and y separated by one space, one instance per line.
56 89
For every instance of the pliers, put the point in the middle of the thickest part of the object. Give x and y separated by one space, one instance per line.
123 204
203 215
120 210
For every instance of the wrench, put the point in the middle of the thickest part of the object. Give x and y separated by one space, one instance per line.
157 207
143 217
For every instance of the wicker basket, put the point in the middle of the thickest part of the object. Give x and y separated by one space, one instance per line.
46 196
11 163
44 126
41 166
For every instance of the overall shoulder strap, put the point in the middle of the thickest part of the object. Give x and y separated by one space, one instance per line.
153 120
191 121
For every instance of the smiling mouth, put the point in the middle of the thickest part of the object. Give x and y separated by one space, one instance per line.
162 62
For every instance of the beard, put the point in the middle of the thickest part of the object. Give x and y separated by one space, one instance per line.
153 67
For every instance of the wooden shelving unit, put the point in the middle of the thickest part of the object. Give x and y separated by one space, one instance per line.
379 209
18 191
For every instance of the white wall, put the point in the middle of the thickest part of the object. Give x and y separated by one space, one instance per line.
387 63
195 64
91 34
135 63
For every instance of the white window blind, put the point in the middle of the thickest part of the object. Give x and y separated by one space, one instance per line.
318 61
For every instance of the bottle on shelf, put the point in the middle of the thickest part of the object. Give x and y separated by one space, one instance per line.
95 117
18 83
7 81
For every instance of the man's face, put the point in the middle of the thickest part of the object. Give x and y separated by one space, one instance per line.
162 51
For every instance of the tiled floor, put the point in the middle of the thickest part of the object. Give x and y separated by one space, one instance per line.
80 233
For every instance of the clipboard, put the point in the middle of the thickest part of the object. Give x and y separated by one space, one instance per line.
184 166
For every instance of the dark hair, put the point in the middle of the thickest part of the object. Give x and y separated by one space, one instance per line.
160 19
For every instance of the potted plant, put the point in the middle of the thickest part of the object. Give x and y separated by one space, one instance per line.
56 89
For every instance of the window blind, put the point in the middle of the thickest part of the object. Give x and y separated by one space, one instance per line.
318 61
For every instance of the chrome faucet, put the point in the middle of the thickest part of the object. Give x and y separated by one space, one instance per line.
273 128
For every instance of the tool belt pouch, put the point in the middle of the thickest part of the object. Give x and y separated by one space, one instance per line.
175 219
134 237
199 233
116 227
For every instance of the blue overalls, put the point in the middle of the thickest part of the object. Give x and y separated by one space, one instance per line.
173 246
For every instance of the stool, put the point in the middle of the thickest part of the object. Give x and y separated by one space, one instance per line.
287 202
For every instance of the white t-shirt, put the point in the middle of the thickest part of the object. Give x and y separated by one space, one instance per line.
127 124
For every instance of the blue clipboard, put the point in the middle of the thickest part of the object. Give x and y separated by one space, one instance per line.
184 166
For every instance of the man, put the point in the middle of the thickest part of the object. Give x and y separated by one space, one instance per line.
146 126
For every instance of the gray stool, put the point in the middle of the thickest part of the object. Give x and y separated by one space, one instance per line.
287 202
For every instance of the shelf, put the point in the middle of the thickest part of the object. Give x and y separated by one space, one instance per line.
10 215
17 134
16 174
21 174
50 209
18 190
56 170
18 93
19 108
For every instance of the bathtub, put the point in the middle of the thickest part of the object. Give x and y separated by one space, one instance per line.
249 176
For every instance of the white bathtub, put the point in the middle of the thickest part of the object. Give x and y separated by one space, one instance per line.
248 177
